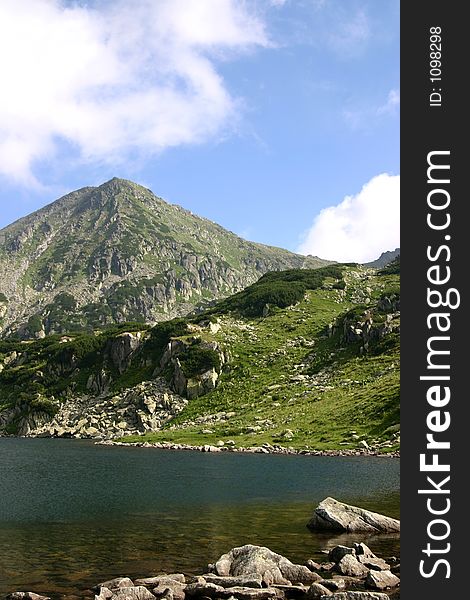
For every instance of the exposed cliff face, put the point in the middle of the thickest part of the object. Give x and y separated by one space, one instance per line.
109 384
119 253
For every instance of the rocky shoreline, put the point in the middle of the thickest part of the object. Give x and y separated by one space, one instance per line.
256 573
263 449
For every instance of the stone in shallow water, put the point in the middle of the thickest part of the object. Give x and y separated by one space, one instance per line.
350 566
138 592
312 565
337 553
381 580
117 582
272 567
374 563
363 550
332 515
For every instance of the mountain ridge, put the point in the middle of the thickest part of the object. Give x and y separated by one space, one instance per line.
384 259
117 252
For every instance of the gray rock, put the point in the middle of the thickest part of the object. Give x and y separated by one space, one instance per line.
299 574
357 596
210 590
190 579
334 585
253 580
346 581
337 553
158 579
104 594
26 596
167 595
381 580
374 563
350 566
317 591
312 565
292 592
138 592
272 567
117 582
178 590
171 586
332 515
363 550
247 593
121 348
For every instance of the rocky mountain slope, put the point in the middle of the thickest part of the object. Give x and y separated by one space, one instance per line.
301 359
116 253
384 259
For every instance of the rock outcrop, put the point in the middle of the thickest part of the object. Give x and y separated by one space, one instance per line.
331 515
143 408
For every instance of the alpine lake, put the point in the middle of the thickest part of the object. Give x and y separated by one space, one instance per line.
73 513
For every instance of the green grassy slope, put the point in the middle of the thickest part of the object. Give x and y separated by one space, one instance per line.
313 361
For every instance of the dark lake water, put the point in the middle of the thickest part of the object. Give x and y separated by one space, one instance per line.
73 514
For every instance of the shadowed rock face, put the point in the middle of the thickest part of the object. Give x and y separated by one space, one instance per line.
331 515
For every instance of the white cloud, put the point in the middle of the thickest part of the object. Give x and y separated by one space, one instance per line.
392 103
117 79
361 226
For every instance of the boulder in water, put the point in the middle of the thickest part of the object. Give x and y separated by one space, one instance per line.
332 515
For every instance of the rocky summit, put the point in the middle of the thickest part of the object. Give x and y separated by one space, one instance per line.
117 253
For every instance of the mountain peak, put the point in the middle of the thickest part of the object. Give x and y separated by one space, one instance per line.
116 253
117 183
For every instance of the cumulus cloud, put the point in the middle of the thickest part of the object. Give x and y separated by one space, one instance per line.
360 227
116 78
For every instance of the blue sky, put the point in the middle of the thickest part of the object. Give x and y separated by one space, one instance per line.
278 119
